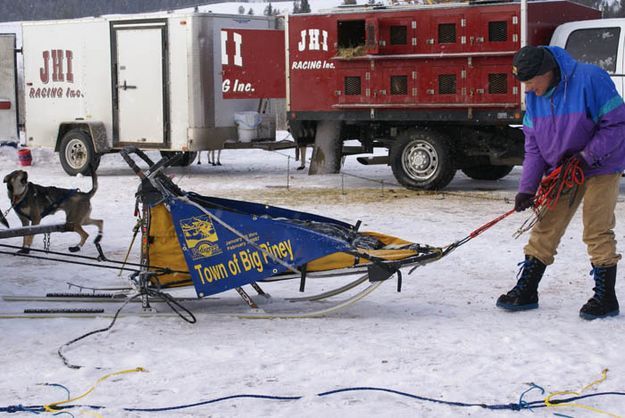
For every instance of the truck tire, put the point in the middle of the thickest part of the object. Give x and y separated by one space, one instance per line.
421 160
488 172
77 154
186 160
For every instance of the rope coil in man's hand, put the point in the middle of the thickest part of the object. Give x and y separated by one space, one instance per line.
565 179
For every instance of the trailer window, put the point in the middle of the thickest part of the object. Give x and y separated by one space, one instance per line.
447 84
447 33
351 33
399 35
498 83
399 85
352 86
497 31
597 46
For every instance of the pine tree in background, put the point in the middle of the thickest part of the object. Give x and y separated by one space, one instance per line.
241 10
268 10
250 12
301 6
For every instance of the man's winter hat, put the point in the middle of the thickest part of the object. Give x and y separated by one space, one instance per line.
531 61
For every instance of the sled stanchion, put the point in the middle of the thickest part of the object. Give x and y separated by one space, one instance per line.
333 292
259 290
246 298
302 282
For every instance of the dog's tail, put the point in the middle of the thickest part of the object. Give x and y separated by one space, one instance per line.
94 183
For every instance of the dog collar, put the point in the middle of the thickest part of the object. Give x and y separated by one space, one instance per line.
16 202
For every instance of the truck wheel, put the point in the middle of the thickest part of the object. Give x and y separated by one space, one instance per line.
186 160
77 154
488 172
421 159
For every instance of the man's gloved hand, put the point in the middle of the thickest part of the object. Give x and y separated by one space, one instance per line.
523 201
582 161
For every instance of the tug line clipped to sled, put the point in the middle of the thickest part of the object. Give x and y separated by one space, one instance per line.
60 407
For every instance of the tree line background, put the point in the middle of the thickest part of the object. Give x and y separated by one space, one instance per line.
17 10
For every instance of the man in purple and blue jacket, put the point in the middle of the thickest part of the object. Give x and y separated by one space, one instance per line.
572 109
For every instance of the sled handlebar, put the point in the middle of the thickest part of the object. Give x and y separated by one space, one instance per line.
152 167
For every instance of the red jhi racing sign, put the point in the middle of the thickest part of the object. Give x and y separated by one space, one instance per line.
252 62
56 76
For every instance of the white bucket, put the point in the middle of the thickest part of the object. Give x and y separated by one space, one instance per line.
247 123
247 135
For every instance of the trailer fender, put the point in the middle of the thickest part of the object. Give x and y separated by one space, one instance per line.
95 130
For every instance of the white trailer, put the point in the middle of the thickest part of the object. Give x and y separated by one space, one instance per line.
94 85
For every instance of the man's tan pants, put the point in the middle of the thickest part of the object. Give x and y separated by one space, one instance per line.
599 194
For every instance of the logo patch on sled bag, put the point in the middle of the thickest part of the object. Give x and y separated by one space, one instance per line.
200 236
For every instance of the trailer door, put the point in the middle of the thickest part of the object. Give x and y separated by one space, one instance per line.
8 87
139 83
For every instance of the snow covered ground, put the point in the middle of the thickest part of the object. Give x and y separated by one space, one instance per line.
442 337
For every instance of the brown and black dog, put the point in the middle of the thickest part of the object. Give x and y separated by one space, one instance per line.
33 202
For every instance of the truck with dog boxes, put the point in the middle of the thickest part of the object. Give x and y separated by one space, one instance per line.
95 85
432 84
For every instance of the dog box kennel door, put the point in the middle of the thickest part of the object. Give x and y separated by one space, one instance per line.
139 82
8 103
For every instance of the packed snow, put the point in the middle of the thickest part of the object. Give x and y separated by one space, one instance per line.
441 338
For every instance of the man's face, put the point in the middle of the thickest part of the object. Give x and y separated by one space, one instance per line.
539 84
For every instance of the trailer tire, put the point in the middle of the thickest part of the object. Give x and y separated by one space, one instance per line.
186 160
488 172
421 160
77 153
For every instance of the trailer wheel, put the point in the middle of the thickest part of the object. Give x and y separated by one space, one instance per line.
77 154
488 172
421 159
186 160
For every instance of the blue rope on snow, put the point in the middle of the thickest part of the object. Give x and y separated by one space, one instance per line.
12 409
532 386
512 406
36 409
225 398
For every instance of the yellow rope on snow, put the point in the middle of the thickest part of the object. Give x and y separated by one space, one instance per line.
549 404
51 406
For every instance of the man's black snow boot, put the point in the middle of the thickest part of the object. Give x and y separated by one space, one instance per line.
604 302
524 295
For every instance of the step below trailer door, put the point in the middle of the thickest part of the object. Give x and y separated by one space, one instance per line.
140 83
8 102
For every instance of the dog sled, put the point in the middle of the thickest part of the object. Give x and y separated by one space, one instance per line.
216 244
